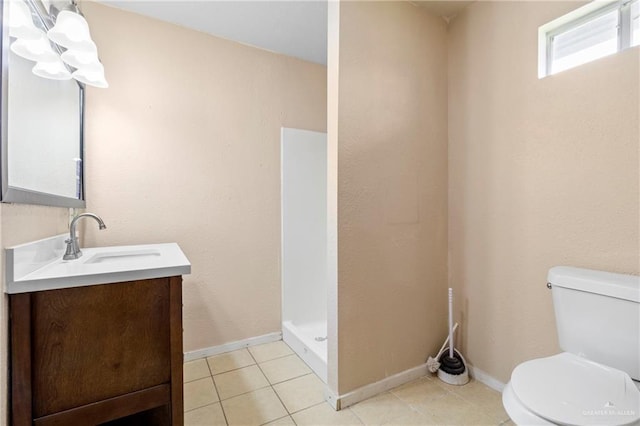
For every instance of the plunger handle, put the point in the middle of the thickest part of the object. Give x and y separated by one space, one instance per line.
450 322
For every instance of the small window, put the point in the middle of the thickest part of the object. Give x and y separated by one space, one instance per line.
591 32
635 23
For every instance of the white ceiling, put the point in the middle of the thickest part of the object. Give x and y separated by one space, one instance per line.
295 28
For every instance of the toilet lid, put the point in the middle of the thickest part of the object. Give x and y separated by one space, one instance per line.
569 390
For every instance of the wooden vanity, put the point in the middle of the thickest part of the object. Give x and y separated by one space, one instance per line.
98 354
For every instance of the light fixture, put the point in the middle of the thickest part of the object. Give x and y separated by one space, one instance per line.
72 32
74 54
78 59
38 50
91 76
54 70
20 22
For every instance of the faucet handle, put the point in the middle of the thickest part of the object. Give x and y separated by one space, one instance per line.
73 251
68 254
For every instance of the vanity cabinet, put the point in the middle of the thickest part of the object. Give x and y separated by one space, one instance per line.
99 354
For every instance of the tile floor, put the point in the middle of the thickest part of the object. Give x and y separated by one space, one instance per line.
269 384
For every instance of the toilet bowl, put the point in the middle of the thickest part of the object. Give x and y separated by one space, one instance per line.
596 380
566 389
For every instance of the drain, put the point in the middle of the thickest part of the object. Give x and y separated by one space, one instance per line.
320 339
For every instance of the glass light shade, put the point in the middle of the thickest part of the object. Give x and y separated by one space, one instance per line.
91 76
85 60
20 21
54 70
72 31
38 50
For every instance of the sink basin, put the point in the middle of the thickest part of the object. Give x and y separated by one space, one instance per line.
140 255
39 265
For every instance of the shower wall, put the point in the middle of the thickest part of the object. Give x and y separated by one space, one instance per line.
304 245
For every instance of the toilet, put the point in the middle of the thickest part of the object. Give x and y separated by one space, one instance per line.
596 380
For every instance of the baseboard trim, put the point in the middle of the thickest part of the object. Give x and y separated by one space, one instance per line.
484 377
339 402
232 346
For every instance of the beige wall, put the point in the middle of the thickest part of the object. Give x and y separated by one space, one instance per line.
541 173
184 146
21 224
392 189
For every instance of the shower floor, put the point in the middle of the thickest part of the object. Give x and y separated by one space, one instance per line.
309 341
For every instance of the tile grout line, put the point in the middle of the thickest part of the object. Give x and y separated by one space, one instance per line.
292 378
184 382
481 408
205 405
271 359
468 403
311 372
356 414
244 393
411 407
197 408
272 388
307 408
237 369
404 402
449 391
215 387
279 418
289 413
232 369
195 380
426 413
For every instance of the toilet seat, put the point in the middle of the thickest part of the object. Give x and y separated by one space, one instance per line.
517 412
569 390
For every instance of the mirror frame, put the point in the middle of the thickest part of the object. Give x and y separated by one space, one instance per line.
11 194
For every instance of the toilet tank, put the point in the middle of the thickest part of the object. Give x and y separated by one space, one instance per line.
598 316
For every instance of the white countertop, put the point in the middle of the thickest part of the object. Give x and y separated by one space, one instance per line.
38 266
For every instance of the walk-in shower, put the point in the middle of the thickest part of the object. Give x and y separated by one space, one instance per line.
304 246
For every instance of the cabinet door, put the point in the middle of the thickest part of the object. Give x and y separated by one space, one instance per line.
98 342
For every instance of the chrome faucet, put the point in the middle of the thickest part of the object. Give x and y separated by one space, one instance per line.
73 249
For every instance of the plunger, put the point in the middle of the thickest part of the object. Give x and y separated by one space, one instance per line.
452 364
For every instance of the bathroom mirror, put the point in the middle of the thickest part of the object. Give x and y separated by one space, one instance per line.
42 129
